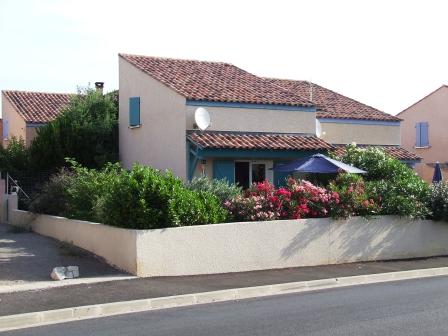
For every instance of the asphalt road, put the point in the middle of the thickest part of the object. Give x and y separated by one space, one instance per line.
413 307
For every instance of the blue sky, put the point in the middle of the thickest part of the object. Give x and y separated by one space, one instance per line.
387 54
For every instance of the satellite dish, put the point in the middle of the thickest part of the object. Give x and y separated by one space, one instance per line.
318 129
202 118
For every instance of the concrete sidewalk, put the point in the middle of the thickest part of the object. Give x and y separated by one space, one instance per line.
146 288
26 259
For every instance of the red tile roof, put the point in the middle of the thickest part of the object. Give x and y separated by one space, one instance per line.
37 107
213 81
331 104
396 152
242 140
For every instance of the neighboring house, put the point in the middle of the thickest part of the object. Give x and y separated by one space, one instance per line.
424 132
24 112
255 122
345 120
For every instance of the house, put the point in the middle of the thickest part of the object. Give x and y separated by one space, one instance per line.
256 122
24 112
423 132
345 120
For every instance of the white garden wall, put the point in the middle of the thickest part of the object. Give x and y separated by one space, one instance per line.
237 247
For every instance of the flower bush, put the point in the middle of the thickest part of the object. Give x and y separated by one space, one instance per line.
260 202
308 200
299 199
353 197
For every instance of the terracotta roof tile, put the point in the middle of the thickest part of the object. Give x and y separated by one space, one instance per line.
331 104
396 152
242 140
38 107
214 81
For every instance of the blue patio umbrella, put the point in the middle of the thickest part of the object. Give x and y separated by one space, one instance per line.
317 163
437 177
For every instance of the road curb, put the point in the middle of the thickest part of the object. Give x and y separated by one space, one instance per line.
19 321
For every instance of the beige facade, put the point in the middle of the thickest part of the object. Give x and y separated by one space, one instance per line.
165 117
17 127
432 109
256 120
16 124
361 132
160 141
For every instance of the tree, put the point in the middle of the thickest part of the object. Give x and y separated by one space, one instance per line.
86 130
14 157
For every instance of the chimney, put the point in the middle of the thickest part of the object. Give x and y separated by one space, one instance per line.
99 86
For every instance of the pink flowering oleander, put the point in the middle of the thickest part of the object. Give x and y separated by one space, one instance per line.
299 199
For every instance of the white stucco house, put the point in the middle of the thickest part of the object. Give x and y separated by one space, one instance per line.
256 122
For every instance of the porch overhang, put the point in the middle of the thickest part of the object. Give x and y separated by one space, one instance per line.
250 145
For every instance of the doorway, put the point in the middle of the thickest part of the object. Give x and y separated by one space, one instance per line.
248 172
242 176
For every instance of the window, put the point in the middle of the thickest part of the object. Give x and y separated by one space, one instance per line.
5 129
258 172
134 111
421 134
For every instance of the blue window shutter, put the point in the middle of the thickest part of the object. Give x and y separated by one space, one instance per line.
5 129
424 136
134 111
418 137
224 169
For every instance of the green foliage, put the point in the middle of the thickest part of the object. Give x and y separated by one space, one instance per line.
85 189
222 189
14 157
399 189
87 130
353 198
53 198
143 198
146 198
438 201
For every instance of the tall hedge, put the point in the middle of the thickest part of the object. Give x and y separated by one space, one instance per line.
86 130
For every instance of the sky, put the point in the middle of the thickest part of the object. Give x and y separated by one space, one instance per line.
387 54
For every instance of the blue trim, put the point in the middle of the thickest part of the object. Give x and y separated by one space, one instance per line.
193 160
250 106
359 122
254 154
28 124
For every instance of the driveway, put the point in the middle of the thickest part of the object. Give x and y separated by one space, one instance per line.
28 258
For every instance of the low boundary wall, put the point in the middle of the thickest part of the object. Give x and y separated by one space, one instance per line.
238 247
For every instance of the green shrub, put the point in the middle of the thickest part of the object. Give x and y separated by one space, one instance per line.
438 201
145 198
14 158
86 188
400 191
222 189
53 198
